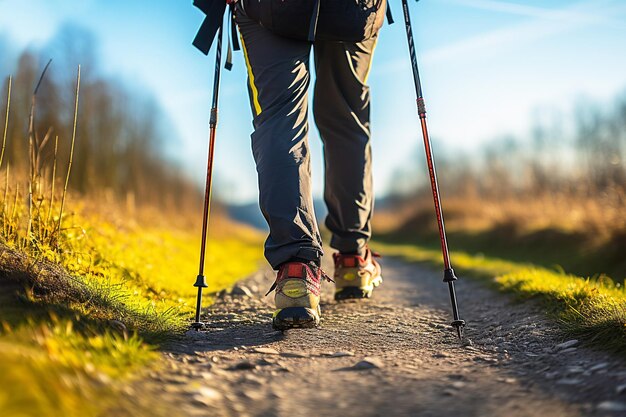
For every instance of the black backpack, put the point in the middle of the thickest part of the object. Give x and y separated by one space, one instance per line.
329 20
333 20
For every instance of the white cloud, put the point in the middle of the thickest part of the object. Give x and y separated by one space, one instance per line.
517 9
545 22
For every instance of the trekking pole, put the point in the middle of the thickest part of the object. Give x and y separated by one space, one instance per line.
448 275
201 279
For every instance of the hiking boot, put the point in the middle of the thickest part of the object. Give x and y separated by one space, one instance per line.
297 295
356 276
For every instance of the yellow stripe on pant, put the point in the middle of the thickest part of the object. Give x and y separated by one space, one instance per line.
255 92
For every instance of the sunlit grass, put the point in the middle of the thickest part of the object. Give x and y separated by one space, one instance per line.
82 293
53 371
92 298
593 309
149 271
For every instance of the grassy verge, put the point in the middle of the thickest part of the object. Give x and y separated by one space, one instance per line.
585 236
81 320
593 309
85 299
51 370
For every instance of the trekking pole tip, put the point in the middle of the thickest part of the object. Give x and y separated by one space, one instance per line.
459 325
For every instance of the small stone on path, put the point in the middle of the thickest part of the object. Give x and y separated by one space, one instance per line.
569 381
208 394
612 406
241 290
368 363
568 344
489 360
266 351
575 370
598 367
621 389
253 395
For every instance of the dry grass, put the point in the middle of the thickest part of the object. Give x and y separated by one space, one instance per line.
600 215
76 318
585 235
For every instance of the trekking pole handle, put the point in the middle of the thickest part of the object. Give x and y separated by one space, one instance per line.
218 68
413 55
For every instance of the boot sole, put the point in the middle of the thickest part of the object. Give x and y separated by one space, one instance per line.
355 293
295 318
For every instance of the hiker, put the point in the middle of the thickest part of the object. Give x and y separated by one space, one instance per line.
278 81
279 36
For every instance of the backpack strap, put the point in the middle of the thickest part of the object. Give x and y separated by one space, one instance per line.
233 29
214 11
233 43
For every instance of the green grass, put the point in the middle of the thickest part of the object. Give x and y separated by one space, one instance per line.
592 309
50 370
82 319
86 299
545 247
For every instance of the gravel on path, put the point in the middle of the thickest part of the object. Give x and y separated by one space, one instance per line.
393 355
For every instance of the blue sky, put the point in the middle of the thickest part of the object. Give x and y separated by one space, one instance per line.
487 67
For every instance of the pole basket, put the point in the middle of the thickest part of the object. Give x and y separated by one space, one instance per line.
201 282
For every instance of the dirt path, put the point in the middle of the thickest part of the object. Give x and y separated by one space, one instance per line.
393 355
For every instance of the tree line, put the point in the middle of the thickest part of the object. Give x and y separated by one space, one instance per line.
582 153
120 132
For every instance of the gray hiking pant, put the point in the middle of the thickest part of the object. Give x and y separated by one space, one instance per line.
278 82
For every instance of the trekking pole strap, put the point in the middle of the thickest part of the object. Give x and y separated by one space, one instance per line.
233 43
214 11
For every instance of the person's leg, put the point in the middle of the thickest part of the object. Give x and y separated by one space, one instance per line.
342 113
278 80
